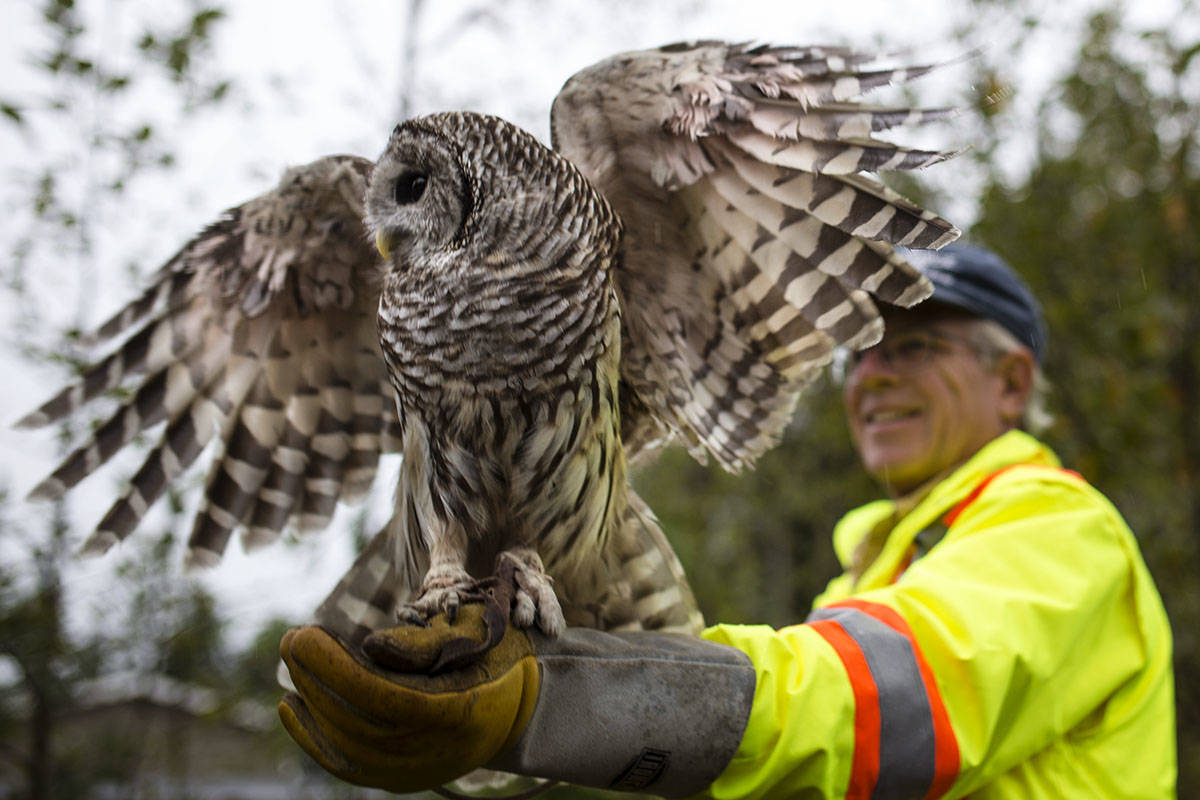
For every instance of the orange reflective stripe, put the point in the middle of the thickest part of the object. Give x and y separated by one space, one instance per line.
954 513
946 758
864 769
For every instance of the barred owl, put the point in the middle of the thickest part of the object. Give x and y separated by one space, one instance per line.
680 264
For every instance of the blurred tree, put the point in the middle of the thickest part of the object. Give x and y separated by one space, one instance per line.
255 666
47 663
167 624
757 546
90 133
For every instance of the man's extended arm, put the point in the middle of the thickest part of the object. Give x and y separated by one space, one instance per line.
1031 633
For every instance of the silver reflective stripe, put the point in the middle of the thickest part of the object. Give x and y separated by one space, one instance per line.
906 737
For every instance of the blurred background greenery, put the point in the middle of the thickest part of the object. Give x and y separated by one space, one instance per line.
1102 222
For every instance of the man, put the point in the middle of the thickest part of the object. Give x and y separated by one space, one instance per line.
996 633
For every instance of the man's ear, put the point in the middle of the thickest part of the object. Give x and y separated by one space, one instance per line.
1015 370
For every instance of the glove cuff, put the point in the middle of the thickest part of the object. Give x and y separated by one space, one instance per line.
640 712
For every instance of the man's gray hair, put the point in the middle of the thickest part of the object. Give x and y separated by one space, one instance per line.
998 341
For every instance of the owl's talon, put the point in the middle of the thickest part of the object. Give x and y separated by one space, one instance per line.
444 592
411 616
533 596
524 612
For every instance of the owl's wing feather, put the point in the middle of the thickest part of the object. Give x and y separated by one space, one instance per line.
260 333
753 243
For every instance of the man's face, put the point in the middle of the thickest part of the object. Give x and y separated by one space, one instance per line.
932 407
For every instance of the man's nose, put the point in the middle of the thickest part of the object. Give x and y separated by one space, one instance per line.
870 368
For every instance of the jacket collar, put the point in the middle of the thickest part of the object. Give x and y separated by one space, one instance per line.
894 524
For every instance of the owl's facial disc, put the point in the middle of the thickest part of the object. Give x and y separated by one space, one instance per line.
418 199
407 189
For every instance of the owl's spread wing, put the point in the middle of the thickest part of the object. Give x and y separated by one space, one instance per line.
753 244
260 332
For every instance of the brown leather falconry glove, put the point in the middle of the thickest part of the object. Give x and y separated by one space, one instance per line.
662 713
406 730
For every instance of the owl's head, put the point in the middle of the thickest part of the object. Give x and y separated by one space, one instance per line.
463 183
499 259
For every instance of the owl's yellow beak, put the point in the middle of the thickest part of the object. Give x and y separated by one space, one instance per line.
383 243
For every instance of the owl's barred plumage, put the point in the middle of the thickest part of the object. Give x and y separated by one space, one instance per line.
680 266
755 236
244 336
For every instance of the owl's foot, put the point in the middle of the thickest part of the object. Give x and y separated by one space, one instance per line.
445 589
533 591
520 583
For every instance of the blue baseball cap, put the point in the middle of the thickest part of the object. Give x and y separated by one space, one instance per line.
979 282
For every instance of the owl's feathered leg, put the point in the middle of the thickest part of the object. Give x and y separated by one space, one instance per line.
447 584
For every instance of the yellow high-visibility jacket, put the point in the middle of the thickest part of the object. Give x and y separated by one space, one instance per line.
1007 642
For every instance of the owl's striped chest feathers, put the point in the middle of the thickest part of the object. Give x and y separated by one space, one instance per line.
540 470
508 401
519 471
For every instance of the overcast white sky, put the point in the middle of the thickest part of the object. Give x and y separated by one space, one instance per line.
318 77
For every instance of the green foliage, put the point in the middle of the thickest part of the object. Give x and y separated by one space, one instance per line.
47 663
170 625
93 133
254 670
175 49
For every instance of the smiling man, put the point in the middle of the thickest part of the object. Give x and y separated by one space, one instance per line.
995 632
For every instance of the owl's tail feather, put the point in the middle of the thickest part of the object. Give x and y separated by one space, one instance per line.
662 598
368 595
641 585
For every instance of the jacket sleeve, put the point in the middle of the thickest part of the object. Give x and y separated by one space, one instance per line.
968 665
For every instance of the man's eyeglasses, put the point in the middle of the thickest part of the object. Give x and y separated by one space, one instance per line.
905 352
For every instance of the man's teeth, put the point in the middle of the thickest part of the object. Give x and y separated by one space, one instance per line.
888 416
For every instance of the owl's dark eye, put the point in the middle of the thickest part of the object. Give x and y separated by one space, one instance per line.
409 187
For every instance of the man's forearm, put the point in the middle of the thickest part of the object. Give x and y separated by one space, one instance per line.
662 713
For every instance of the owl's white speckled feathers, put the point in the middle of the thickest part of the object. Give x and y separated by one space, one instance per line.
680 266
